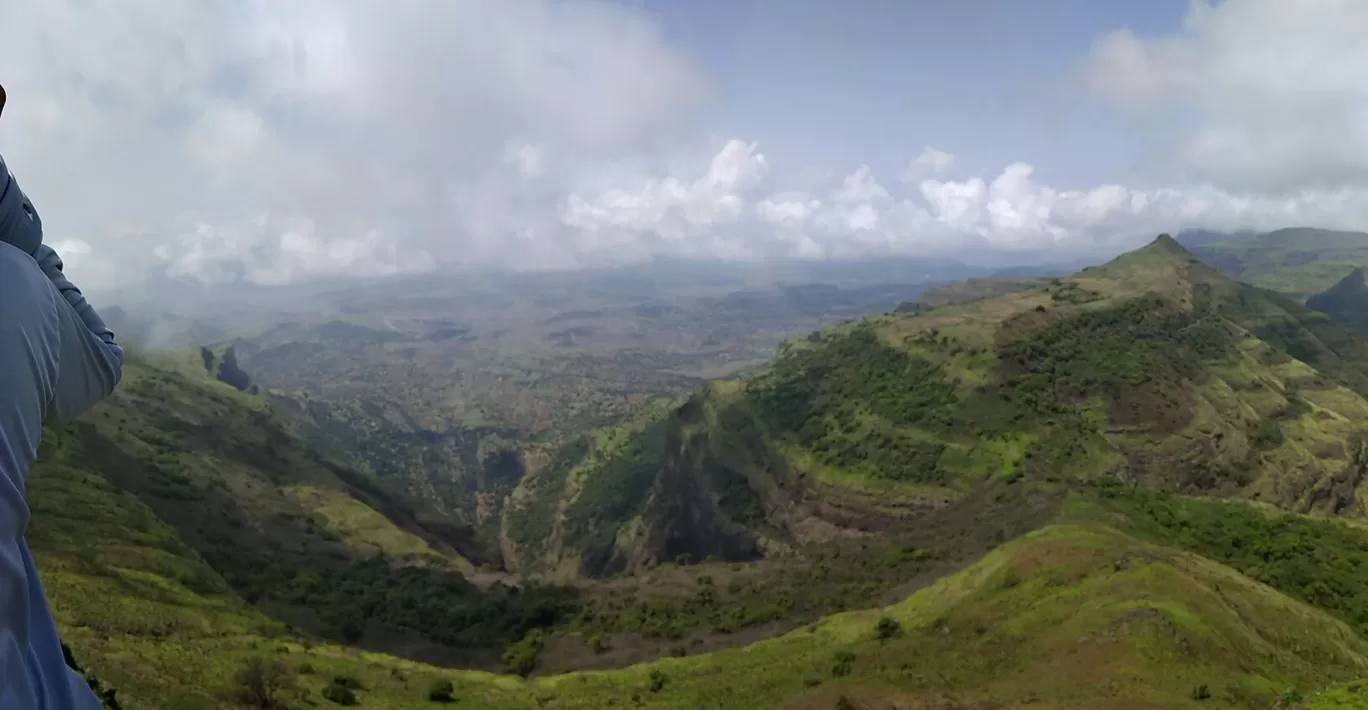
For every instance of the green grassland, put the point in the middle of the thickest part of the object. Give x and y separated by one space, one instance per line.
1077 614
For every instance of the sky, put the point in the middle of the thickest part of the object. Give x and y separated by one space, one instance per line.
251 141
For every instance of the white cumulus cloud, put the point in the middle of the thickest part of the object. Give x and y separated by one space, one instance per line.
275 142
1256 95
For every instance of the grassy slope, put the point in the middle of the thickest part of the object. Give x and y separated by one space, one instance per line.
1296 261
1153 367
1345 301
970 290
1074 615
175 436
312 541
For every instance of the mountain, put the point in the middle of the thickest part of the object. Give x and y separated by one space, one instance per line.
997 502
1154 369
1346 301
454 394
1298 261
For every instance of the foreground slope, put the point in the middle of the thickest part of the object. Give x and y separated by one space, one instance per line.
1071 616
317 545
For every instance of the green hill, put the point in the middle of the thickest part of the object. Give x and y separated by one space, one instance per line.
1153 368
1003 501
319 546
1074 615
1345 301
1298 261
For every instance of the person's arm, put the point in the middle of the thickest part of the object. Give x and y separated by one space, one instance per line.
89 362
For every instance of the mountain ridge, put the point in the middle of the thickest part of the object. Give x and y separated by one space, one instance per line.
997 501
1154 367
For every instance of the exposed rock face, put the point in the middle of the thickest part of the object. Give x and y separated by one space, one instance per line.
224 367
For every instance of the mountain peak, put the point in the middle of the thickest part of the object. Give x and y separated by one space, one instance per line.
1163 252
1166 243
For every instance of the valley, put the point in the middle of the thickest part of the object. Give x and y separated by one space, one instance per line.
1138 485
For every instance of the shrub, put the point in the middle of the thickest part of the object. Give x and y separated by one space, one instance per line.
262 682
340 694
657 680
843 662
887 628
521 657
348 681
441 691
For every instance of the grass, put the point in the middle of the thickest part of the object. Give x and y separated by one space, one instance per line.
279 524
1071 616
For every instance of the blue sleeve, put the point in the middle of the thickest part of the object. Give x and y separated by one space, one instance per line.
89 362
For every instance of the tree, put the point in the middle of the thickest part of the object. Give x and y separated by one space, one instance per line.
261 682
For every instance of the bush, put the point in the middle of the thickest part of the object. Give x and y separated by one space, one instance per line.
348 681
843 662
340 694
1201 692
598 644
441 691
262 682
887 628
521 657
657 680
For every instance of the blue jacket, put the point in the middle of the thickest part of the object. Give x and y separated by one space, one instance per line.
56 359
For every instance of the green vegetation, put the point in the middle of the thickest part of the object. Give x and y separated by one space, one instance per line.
214 465
976 503
826 396
1297 261
616 490
1345 301
969 290
1320 562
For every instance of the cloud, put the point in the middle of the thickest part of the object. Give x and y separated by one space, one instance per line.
931 162
211 139
1263 96
272 142
858 216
